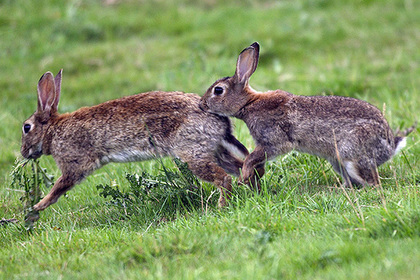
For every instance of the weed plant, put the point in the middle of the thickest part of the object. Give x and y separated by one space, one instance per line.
170 192
28 176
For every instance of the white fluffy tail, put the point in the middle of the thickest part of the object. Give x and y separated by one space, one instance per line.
401 140
400 144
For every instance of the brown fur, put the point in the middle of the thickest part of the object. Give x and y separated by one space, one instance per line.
132 128
351 134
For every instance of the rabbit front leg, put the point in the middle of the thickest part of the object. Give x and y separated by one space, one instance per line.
254 181
253 167
61 186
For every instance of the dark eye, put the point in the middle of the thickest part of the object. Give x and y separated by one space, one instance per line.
218 90
26 127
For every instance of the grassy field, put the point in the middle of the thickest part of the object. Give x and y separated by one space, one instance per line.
302 225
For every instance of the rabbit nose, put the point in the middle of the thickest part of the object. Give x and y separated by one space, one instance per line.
203 106
31 153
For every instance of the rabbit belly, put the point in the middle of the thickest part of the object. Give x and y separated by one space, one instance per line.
128 156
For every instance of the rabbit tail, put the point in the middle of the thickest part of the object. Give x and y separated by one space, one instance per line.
401 140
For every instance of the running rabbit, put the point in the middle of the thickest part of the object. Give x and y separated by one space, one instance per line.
132 128
351 134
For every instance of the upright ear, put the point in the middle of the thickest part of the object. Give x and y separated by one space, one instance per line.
57 82
247 62
46 93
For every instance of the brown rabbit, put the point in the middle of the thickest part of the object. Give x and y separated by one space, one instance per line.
351 134
132 128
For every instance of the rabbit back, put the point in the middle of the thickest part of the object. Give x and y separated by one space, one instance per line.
318 125
135 128
324 125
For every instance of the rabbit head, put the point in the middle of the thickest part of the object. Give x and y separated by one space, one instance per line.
227 96
34 128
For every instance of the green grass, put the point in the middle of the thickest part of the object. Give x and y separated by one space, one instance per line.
302 225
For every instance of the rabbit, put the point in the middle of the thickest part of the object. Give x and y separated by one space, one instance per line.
132 128
351 134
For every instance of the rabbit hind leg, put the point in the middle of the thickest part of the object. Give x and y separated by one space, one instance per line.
229 162
232 165
350 172
204 166
340 169
362 172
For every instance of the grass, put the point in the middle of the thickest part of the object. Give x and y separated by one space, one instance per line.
302 225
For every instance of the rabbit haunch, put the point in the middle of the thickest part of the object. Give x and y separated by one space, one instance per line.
351 134
132 128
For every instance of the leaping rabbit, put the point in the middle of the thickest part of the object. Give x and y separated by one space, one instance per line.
132 128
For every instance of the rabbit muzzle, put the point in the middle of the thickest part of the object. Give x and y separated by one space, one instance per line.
203 105
31 153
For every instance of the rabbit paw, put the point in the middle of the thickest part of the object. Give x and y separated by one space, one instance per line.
44 203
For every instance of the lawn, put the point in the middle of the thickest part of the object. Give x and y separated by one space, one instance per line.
303 224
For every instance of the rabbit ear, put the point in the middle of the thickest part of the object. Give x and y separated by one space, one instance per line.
46 93
57 83
247 62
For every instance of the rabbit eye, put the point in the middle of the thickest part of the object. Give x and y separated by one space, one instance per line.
218 90
26 128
